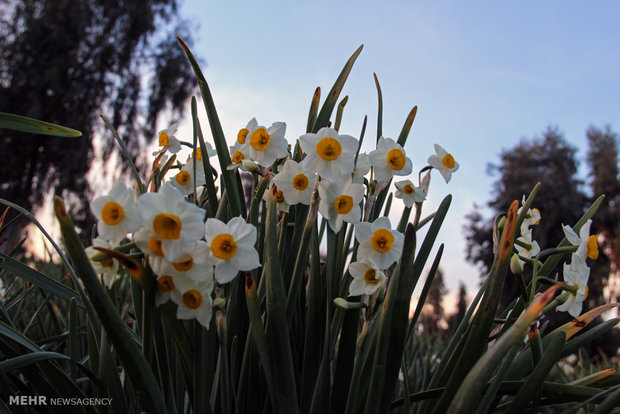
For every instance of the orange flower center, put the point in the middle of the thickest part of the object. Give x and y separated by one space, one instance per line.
396 159
328 148
259 140
184 266
192 299
183 177
167 226
223 246
300 182
343 204
448 161
155 246
112 213
242 135
369 276
592 247
382 240
165 283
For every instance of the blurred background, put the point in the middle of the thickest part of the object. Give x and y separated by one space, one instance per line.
517 92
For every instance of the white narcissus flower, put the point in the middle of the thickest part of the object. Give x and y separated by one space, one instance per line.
528 252
239 158
231 247
328 153
169 218
577 274
378 242
278 195
444 162
108 269
266 145
362 167
532 218
194 263
193 299
340 202
389 159
409 193
210 152
116 213
367 278
242 141
183 180
295 183
588 245
167 140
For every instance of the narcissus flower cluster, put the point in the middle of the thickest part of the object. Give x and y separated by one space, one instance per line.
190 256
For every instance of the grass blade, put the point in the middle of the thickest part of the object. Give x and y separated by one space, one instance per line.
330 102
34 126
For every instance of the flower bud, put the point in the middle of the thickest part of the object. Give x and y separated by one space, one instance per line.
515 265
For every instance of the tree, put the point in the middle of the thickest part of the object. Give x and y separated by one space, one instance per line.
433 312
66 62
604 179
461 308
548 159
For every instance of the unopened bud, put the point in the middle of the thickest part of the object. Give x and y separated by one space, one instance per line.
515 265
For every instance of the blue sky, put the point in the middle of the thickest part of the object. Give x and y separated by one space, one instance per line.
483 74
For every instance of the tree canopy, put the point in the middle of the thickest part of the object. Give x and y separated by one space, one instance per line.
67 62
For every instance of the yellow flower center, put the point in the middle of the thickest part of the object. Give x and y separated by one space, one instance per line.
448 161
592 247
184 266
300 182
369 276
587 292
155 246
382 240
223 246
112 213
183 177
167 226
259 140
328 148
165 283
163 139
198 154
106 263
237 157
343 204
192 299
242 135
396 159
408 189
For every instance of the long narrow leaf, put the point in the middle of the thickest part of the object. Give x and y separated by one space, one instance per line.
34 126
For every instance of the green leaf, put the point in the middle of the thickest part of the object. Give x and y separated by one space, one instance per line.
334 93
235 194
34 126
276 329
25 360
531 389
314 109
211 191
39 279
404 133
374 399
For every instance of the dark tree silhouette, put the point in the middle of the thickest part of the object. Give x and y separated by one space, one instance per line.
548 159
67 62
604 179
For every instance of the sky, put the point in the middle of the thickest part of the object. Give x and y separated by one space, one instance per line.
483 74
